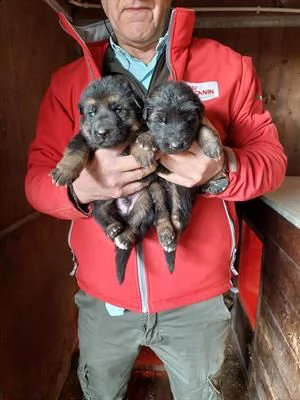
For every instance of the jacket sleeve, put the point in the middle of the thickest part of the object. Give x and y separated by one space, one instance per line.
55 127
257 162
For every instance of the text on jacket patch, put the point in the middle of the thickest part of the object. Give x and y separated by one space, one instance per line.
205 90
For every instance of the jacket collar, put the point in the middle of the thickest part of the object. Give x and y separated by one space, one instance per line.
181 26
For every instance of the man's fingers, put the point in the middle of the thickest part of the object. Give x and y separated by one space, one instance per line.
113 156
133 187
177 179
136 175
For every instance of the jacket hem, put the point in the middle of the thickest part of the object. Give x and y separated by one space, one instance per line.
160 305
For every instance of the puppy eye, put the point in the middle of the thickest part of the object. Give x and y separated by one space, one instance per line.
192 118
162 119
117 109
92 112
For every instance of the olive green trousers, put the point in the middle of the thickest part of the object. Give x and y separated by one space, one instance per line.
190 341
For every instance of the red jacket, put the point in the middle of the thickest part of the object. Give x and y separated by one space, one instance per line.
226 81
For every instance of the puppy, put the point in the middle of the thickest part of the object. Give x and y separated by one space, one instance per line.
174 115
110 115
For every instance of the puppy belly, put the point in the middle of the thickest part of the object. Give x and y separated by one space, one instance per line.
126 204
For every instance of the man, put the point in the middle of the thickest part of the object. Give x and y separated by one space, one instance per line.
181 316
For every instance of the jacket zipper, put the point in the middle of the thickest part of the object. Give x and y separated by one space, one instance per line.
82 44
74 259
142 279
233 241
168 61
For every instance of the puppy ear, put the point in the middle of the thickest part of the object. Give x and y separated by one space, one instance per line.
146 113
197 105
80 107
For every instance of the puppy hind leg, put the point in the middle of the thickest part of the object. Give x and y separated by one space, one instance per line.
139 220
105 213
124 243
162 220
121 260
182 200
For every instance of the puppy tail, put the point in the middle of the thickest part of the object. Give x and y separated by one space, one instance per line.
170 259
122 257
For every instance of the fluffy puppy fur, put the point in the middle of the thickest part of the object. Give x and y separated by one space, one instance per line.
174 115
110 115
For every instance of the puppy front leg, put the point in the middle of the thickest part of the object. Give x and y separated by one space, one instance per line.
144 150
210 143
72 163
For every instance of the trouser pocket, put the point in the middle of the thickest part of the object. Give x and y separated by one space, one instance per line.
214 382
83 376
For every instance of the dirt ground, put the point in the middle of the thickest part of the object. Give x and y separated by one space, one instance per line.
154 385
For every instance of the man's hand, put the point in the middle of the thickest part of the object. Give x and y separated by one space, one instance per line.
190 168
110 175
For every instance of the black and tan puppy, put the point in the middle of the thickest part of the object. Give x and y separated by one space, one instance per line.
110 116
174 115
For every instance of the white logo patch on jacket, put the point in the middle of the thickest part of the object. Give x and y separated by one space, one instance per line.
205 90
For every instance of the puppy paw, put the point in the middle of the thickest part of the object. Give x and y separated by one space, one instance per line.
167 238
62 177
177 222
144 150
210 143
213 150
114 230
125 240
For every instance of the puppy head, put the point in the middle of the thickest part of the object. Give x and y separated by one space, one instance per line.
173 114
110 113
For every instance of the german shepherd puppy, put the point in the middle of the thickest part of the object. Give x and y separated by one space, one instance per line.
110 116
174 115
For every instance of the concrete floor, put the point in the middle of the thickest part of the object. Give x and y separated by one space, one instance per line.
152 383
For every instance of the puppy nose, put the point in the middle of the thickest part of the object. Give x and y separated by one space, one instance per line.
102 132
176 145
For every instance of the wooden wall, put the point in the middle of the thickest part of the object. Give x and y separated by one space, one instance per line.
275 369
37 314
37 330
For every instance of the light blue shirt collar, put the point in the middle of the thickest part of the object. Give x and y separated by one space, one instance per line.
142 72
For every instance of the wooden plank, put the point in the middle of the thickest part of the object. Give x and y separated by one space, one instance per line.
268 222
287 116
269 66
244 335
281 288
259 388
246 21
269 371
263 386
38 315
31 48
285 361
224 3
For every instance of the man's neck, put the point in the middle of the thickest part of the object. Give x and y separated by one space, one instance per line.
144 54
